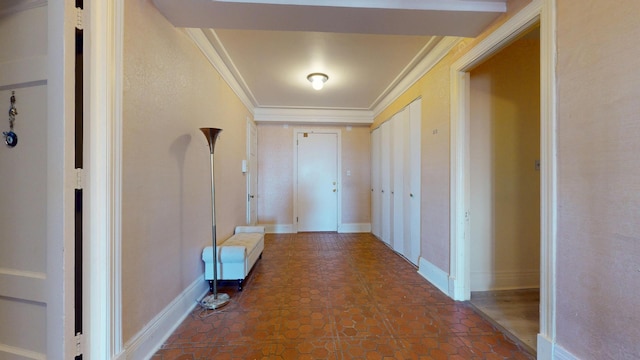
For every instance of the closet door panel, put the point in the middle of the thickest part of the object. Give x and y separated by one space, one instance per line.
376 196
398 129
385 182
414 181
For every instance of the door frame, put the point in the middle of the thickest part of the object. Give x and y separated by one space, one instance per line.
103 118
297 131
542 11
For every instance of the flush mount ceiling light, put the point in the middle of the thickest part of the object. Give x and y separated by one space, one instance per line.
317 80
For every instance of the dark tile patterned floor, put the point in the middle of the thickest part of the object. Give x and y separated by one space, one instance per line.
336 296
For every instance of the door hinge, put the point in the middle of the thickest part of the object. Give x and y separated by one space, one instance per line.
79 18
78 338
297 219
79 176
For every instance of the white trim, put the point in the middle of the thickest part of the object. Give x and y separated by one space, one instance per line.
460 264
545 348
60 100
548 169
434 56
354 228
450 5
103 269
278 228
505 280
433 274
537 10
149 340
561 353
315 116
548 350
202 42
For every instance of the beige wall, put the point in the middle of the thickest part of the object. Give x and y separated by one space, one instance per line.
170 91
434 90
505 186
599 179
275 174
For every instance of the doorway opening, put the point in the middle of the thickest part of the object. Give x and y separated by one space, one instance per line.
504 187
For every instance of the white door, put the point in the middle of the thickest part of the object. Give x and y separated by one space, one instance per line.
397 129
413 248
385 182
317 181
375 183
252 173
31 298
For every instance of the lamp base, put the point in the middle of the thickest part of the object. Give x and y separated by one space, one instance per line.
213 302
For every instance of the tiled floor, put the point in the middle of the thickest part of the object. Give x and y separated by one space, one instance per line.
336 296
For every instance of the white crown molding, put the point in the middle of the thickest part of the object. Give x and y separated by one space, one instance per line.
316 116
200 39
439 51
449 5
326 116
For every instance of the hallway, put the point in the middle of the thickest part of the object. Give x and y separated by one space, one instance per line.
336 296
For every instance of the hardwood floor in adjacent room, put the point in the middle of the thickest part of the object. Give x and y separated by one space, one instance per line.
516 311
337 296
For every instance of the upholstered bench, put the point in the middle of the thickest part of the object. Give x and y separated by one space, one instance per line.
236 255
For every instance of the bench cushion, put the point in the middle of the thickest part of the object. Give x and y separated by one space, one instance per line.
233 249
236 255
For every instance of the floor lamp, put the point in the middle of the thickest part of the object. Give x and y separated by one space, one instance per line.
214 300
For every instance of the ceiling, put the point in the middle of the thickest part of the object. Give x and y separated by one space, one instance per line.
372 50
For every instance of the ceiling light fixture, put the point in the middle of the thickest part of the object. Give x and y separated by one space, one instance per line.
317 80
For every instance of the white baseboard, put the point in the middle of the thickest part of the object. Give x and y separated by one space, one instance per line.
505 280
544 349
434 275
561 353
290 229
278 228
547 350
354 228
146 342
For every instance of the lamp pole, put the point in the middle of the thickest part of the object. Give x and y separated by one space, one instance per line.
214 300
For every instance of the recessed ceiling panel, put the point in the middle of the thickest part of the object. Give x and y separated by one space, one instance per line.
274 65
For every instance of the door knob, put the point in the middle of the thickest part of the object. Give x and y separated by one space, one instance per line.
334 190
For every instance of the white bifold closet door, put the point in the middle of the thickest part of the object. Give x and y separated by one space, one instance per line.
399 124
376 210
385 182
412 205
396 182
